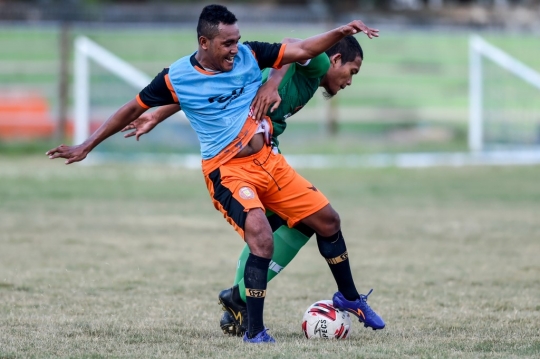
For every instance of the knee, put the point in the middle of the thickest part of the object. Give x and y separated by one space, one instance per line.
325 222
262 245
335 221
258 234
332 224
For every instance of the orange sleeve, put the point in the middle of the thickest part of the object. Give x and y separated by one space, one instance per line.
142 104
277 65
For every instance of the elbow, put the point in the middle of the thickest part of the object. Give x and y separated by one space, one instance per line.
307 52
306 55
133 109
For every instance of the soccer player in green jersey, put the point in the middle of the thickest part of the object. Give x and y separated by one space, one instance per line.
285 92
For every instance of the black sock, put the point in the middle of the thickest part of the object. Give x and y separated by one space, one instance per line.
255 275
334 250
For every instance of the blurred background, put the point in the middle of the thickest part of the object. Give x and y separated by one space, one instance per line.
418 91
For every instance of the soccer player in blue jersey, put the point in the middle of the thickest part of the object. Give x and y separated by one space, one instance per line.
215 87
287 90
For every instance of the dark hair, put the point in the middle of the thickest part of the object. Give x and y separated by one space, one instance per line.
348 47
211 17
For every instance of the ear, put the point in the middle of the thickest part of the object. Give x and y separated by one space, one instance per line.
335 60
204 42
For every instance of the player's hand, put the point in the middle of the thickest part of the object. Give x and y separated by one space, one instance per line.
266 96
144 124
70 153
357 26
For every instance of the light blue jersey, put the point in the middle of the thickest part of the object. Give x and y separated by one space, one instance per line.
217 105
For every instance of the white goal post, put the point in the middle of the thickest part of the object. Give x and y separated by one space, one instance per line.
479 49
89 101
86 50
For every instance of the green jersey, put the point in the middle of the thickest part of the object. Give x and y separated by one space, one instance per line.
297 87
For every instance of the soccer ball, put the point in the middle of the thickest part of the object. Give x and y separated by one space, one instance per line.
323 320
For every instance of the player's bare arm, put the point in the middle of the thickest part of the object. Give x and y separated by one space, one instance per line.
268 93
147 121
306 49
121 118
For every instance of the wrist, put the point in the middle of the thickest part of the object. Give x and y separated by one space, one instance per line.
156 118
88 145
345 30
273 82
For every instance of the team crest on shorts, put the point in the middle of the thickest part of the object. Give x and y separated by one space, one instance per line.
246 193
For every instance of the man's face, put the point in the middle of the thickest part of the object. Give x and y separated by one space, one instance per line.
222 49
340 75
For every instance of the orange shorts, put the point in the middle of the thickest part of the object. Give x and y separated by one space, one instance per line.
264 180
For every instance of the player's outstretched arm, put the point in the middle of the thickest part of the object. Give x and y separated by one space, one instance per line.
147 121
306 49
121 118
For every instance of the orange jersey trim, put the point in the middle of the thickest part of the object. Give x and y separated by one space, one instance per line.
232 149
242 139
171 88
277 64
203 71
142 104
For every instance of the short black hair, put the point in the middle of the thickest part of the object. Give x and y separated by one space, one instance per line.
211 17
348 47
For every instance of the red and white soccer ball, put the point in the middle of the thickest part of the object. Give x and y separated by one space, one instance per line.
323 320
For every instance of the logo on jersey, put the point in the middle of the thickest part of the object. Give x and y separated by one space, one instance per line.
296 109
246 193
226 99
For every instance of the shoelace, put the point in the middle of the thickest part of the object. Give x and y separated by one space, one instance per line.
364 298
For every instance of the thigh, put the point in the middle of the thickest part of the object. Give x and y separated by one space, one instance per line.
324 222
233 196
291 196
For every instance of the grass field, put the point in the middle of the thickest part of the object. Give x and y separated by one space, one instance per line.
127 261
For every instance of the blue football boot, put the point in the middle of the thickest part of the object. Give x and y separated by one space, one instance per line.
359 308
262 337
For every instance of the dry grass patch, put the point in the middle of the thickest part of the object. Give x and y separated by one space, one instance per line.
127 261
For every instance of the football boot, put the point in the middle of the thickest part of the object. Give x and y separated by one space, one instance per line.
262 337
233 304
360 309
228 325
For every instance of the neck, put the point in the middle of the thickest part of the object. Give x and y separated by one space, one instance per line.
323 81
203 61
